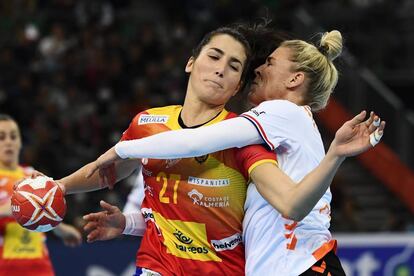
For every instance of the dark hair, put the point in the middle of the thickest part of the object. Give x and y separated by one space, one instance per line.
263 40
233 31
6 117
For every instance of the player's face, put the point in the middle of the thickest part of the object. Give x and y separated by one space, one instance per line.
10 142
272 78
215 75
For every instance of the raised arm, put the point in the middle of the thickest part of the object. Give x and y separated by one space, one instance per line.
296 200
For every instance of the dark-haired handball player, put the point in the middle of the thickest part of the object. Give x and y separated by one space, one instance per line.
22 252
286 224
193 206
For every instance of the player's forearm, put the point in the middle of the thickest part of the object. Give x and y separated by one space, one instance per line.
78 183
237 132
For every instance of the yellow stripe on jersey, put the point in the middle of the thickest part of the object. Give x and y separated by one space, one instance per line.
173 111
186 239
252 167
17 173
20 243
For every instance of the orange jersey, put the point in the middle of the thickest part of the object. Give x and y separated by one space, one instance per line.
22 252
193 207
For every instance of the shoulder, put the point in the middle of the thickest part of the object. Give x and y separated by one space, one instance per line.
157 113
279 107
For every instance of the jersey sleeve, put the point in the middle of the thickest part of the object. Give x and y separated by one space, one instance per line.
251 156
134 131
274 121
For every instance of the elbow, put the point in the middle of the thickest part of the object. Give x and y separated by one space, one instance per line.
294 214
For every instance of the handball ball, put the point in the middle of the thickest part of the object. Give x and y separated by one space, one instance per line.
38 204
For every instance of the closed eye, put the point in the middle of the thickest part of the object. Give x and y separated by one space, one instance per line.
214 57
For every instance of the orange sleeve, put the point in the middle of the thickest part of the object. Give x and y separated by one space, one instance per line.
251 156
134 130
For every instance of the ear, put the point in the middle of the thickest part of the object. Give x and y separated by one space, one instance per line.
189 66
295 80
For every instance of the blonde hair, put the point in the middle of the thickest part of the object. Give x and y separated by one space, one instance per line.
316 63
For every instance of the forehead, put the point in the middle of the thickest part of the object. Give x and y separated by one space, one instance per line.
7 126
281 53
229 45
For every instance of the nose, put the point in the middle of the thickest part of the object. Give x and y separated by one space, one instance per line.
219 73
258 71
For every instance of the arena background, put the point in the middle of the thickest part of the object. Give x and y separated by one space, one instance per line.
74 73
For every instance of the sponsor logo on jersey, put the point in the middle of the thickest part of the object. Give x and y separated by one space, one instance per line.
208 201
152 119
147 214
201 159
208 182
257 112
181 237
171 162
188 241
146 172
228 243
148 188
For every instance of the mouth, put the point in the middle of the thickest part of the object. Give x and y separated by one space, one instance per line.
9 151
215 83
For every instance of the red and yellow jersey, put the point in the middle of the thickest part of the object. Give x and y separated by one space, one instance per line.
21 251
193 207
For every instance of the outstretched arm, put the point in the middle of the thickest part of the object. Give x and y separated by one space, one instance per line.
236 132
77 181
297 200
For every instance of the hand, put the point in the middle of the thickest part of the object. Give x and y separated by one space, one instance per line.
69 234
32 175
104 225
353 137
105 165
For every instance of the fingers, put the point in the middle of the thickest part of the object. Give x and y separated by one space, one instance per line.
375 137
358 118
93 236
90 226
95 216
108 207
376 122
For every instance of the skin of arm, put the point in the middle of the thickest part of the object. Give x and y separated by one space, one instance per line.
78 183
295 200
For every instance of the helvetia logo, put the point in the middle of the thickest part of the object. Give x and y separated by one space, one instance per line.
228 243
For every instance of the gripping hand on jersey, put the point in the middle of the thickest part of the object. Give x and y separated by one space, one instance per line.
358 135
104 225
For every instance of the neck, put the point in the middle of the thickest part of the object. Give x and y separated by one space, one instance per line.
196 112
8 165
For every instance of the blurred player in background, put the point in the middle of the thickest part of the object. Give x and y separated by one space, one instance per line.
22 252
296 79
